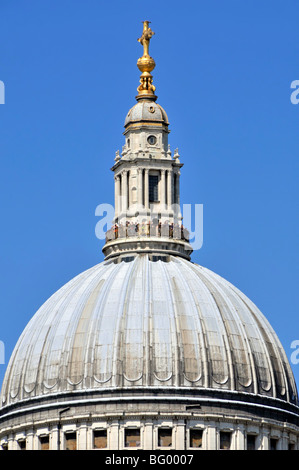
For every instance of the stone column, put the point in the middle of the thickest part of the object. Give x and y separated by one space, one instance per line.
30 440
177 190
129 189
279 443
36 442
180 435
13 444
146 191
162 189
140 187
169 189
239 437
54 437
284 441
148 436
124 187
264 443
82 437
211 436
117 195
113 436
10 442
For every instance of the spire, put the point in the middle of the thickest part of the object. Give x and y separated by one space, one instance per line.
146 64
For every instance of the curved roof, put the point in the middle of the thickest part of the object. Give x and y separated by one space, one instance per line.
148 324
146 110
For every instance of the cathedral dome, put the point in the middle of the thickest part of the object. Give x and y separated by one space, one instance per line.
148 349
146 111
148 324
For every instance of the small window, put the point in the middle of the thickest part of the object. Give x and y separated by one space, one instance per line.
251 440
291 446
225 440
70 441
100 439
153 188
156 258
4 446
196 438
132 437
44 442
165 437
273 444
22 444
152 140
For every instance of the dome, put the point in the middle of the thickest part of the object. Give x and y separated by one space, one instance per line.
148 349
146 110
144 323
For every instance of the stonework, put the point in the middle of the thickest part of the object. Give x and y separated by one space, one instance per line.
154 426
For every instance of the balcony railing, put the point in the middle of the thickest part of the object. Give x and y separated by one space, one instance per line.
148 229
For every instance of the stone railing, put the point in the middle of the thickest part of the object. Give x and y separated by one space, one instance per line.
147 229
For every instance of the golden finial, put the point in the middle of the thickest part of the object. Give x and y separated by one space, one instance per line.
146 64
145 38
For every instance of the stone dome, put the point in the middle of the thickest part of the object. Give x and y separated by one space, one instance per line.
146 323
145 111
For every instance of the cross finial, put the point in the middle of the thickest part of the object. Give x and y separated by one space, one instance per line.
146 65
145 38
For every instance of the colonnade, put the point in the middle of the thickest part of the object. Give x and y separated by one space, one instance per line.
176 434
169 189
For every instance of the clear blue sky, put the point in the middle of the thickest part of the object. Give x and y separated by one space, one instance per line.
223 74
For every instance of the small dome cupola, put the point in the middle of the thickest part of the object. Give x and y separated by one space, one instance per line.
147 218
146 112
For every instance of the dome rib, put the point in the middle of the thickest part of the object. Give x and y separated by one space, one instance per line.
201 327
216 345
289 378
105 351
131 333
234 328
147 313
71 367
241 302
117 362
91 361
190 349
275 358
260 354
60 345
165 346
269 338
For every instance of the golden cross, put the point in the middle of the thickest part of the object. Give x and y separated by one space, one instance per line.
145 38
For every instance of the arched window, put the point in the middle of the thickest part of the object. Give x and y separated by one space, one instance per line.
153 188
